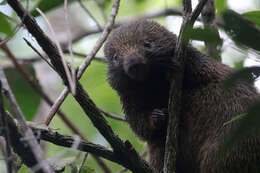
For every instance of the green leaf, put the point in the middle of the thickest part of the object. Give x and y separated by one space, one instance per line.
5 26
254 16
239 64
244 32
247 74
220 5
47 5
205 34
26 97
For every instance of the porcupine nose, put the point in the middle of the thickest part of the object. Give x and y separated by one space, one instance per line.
136 67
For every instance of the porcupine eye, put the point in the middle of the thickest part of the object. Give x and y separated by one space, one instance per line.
114 59
147 44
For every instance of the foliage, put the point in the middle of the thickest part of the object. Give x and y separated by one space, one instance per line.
246 34
5 26
24 94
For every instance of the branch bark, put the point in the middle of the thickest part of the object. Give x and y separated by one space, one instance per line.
171 146
90 56
33 147
53 137
123 150
36 86
5 131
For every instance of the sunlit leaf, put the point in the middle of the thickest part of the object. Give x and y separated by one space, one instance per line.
47 5
253 16
26 97
244 32
248 75
5 26
239 64
220 5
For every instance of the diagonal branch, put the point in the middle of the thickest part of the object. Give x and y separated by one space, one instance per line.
90 56
123 150
36 86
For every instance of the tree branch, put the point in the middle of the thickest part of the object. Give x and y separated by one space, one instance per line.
171 146
53 137
26 133
5 131
36 86
123 150
90 56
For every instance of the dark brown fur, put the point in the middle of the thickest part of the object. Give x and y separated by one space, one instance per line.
139 58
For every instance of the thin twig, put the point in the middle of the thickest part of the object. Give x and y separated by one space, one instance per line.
98 58
113 116
89 14
3 124
38 53
83 162
16 29
68 30
55 106
12 20
64 63
124 151
36 86
90 56
27 132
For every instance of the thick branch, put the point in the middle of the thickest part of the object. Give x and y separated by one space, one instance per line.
61 140
171 146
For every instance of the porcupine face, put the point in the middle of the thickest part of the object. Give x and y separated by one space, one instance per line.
136 50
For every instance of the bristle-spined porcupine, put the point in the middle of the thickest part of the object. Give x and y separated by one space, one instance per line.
139 59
